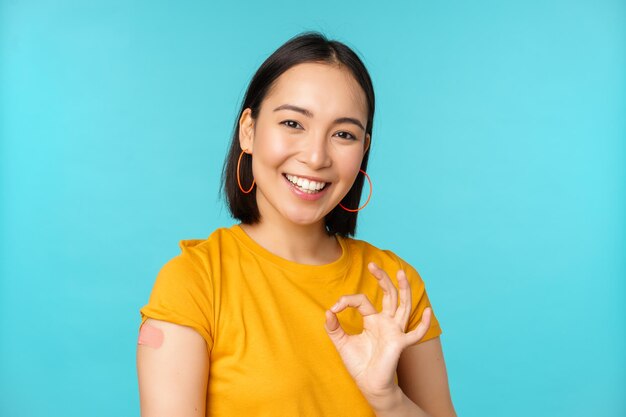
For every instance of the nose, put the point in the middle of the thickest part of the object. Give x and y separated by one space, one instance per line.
315 152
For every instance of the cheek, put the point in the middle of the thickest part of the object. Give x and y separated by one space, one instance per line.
351 163
269 148
272 147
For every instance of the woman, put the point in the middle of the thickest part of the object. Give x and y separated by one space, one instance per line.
284 314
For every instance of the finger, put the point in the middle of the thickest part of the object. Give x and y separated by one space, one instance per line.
334 329
416 334
358 301
404 309
390 297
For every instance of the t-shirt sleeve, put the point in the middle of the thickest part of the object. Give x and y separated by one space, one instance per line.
420 301
182 294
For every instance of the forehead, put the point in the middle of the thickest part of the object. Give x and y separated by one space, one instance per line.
324 89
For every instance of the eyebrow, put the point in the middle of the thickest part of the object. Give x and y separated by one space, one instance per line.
308 113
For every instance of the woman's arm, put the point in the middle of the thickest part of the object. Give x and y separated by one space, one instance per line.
423 378
173 377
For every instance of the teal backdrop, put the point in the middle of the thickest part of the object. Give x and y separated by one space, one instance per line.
498 161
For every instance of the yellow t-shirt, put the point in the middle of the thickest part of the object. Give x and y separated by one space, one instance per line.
262 317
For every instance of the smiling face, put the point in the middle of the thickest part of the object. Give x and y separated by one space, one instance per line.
307 142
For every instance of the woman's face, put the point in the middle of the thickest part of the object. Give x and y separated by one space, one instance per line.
307 142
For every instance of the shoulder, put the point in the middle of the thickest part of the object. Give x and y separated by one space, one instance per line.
196 246
371 253
203 251
363 252
196 257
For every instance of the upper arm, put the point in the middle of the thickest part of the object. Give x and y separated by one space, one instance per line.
173 377
422 376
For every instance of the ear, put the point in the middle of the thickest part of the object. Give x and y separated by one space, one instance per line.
246 130
367 143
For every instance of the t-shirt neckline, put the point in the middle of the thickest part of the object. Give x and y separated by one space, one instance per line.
330 270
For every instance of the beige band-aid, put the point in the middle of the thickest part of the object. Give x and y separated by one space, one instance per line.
150 336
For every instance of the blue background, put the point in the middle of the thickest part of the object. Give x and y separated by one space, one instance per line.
498 161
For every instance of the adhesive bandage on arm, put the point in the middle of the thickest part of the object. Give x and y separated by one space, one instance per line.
150 336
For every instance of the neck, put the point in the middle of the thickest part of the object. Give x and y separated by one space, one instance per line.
306 244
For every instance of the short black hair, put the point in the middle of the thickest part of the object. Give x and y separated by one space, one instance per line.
310 46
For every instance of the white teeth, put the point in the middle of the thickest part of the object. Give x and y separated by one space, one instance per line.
306 185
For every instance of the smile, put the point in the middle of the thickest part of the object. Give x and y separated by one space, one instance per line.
306 185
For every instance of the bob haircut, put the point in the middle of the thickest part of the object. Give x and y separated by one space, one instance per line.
306 47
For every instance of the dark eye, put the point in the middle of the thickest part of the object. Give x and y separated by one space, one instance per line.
349 135
290 123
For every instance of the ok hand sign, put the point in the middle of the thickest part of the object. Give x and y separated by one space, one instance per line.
371 357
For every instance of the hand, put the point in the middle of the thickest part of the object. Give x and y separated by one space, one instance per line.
371 357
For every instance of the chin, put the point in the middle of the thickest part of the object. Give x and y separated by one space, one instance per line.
303 220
